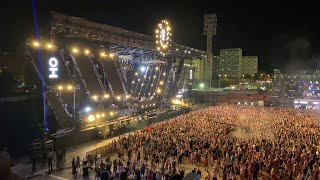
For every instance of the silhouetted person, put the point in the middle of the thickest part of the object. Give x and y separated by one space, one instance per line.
50 163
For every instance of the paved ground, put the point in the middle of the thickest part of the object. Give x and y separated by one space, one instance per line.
23 168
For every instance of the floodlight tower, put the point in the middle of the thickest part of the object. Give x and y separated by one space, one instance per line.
209 29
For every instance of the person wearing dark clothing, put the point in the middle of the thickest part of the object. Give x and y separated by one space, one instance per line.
74 167
123 176
138 174
33 164
85 170
50 163
199 172
255 170
194 170
181 173
104 175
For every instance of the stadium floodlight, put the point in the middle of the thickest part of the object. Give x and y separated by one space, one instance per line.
86 51
87 109
75 50
36 44
142 69
163 36
91 118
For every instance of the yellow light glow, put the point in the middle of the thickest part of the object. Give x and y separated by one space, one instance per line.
157 31
173 101
49 46
91 118
157 68
103 115
142 106
75 50
132 82
164 74
60 88
154 104
111 113
159 90
94 97
111 55
98 116
106 96
86 51
161 82
118 98
103 54
128 96
69 87
36 44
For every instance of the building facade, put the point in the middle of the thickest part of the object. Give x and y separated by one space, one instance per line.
230 62
249 65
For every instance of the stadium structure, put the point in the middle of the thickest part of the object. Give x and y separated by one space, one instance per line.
88 72
296 89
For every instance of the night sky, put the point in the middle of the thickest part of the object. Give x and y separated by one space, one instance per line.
282 35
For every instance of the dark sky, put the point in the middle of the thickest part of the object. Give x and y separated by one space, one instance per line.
281 34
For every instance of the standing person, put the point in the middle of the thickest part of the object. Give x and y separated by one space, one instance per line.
74 167
78 163
85 170
206 162
50 158
34 163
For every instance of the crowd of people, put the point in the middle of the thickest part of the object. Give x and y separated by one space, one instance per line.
229 142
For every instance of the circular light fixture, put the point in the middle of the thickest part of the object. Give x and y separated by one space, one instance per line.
75 50
86 51
163 37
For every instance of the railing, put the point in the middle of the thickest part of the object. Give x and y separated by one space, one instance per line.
105 76
28 53
62 53
75 64
97 75
59 112
119 74
167 88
